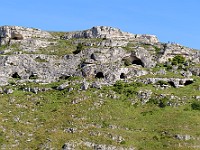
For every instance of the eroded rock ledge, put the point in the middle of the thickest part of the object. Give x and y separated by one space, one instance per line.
118 55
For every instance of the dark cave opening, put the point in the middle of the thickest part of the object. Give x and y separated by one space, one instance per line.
171 83
123 76
138 62
188 82
16 76
99 75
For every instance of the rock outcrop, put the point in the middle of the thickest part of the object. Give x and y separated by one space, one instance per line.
170 50
111 33
174 82
107 60
8 33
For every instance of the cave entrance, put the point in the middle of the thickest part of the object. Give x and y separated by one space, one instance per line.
16 76
138 62
171 83
188 82
122 76
17 36
99 75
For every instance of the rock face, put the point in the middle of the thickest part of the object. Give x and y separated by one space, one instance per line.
106 60
175 82
8 33
171 50
110 33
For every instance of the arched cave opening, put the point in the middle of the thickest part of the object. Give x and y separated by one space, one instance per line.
138 62
99 75
16 76
188 82
17 37
171 83
123 76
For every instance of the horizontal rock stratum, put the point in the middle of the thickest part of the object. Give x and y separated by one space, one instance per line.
100 52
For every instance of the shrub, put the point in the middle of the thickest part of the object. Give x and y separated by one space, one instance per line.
178 59
127 89
127 62
79 48
160 102
195 105
157 49
163 102
161 82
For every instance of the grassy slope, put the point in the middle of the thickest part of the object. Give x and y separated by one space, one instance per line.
43 120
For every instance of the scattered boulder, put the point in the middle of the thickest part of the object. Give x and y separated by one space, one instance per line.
63 86
85 85
73 145
183 137
144 96
36 89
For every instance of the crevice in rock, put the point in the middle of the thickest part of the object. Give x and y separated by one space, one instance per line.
92 57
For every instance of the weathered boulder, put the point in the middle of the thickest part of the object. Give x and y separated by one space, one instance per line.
85 85
63 86
195 71
144 96
183 137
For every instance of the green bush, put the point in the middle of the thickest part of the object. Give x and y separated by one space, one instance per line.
195 105
127 62
157 49
178 59
161 82
126 89
79 48
163 102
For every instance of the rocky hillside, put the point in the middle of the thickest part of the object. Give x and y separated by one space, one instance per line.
85 78
102 52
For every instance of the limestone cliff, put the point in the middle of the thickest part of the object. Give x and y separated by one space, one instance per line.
100 52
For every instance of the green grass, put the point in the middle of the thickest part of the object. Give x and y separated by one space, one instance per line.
36 120
62 47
